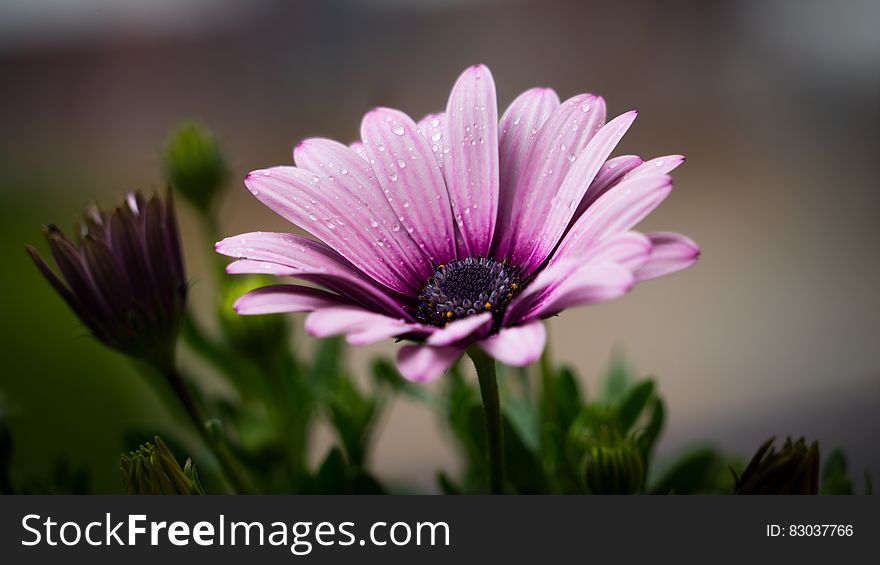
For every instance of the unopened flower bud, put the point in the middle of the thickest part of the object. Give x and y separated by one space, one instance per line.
152 469
194 165
792 470
123 276
615 468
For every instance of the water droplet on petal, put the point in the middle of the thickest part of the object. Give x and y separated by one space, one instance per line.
397 129
401 163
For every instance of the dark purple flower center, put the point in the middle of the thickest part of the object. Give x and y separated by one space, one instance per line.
466 287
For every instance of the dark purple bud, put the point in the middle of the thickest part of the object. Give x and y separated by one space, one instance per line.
124 277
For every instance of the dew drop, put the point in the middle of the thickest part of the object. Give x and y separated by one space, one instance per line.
397 129
393 176
436 136
343 171
401 163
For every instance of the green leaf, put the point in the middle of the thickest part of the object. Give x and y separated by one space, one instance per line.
617 379
328 361
632 405
524 421
568 397
647 438
699 471
353 416
835 475
384 372
331 478
447 486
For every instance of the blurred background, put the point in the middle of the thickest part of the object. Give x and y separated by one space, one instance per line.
774 103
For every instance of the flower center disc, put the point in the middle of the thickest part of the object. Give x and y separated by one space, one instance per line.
466 287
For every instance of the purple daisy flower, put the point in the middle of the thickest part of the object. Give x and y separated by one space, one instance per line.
461 230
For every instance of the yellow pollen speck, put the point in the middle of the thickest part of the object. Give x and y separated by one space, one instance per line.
509 295
449 314
514 286
488 305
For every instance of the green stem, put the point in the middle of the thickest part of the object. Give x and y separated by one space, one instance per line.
485 367
233 473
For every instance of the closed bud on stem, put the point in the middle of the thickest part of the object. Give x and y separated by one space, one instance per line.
794 469
123 276
152 469
194 165
614 468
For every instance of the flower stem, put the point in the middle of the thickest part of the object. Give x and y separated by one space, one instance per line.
233 473
485 367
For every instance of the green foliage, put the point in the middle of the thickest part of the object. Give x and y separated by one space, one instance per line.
835 477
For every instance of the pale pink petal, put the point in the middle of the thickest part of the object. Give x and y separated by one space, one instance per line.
591 284
433 128
517 346
557 208
561 141
321 207
411 181
358 148
461 329
471 170
517 131
310 260
360 326
618 210
632 168
285 298
609 174
671 252
422 363
338 164
251 267
628 249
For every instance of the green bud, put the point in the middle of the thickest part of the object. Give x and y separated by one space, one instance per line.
152 469
260 338
194 164
792 470
614 468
